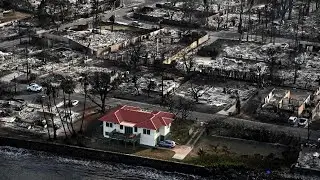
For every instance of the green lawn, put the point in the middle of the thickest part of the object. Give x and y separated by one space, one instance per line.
180 130
211 152
251 161
156 153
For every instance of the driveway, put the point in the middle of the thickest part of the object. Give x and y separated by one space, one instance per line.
181 151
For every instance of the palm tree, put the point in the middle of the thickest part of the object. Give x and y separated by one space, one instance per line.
68 86
54 91
49 92
62 86
45 118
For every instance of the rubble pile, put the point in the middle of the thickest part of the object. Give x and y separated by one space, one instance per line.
161 46
97 40
219 96
8 31
308 73
309 28
168 14
309 160
144 84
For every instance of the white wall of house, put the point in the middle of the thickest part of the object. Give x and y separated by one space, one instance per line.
164 130
149 140
145 139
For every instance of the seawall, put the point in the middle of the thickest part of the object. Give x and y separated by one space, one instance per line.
105 156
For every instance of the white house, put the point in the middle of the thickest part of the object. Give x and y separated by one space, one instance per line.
130 122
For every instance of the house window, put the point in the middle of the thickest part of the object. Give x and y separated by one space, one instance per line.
121 126
135 129
146 131
109 124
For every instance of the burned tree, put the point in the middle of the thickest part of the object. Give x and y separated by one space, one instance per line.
188 7
271 60
134 63
151 85
112 19
169 102
240 29
196 91
219 20
49 92
68 86
45 118
85 89
184 108
188 63
102 84
297 62
95 12
51 12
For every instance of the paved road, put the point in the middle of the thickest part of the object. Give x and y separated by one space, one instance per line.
120 13
234 35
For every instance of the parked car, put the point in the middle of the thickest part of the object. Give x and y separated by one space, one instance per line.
167 144
303 122
72 103
135 23
34 87
292 120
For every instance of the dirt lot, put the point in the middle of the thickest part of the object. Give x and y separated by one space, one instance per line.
217 145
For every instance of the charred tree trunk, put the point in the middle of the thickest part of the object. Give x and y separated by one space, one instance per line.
65 111
47 123
61 119
70 114
52 120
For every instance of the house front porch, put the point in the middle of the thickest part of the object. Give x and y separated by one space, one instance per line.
125 137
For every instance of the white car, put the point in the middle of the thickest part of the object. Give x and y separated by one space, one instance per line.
303 122
72 103
136 23
292 120
34 87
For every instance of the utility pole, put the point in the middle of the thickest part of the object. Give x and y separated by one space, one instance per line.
15 85
308 129
19 31
162 95
26 51
240 21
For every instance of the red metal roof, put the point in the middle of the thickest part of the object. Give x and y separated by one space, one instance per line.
142 119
